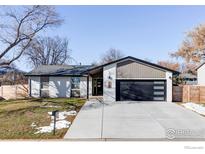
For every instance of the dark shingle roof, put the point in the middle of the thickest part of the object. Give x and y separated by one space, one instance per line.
72 70
59 70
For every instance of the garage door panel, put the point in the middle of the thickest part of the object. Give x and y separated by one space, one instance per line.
138 90
133 90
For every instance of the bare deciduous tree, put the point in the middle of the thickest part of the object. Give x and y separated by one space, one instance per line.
20 25
193 46
189 68
48 51
111 55
181 67
171 65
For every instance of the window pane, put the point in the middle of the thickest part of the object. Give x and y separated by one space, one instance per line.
75 80
75 87
45 85
158 92
158 82
44 82
158 87
75 83
44 79
158 98
75 93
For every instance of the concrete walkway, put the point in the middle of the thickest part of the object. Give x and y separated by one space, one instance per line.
88 123
136 121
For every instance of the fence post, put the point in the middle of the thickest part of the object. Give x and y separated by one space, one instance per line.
199 94
188 93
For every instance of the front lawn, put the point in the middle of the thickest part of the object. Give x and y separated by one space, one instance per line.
17 116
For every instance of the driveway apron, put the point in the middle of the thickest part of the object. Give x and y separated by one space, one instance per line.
136 120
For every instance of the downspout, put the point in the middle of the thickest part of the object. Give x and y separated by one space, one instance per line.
88 87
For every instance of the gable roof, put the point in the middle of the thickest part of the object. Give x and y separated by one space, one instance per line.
79 70
139 60
58 70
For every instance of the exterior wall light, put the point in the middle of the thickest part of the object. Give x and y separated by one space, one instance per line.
109 76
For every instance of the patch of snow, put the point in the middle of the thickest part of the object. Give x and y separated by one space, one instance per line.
59 125
195 107
63 115
33 124
50 113
60 122
44 129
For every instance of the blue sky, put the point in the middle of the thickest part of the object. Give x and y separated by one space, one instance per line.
146 32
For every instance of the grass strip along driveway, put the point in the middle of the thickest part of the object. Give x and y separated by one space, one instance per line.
17 116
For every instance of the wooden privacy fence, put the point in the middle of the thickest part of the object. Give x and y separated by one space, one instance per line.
14 91
177 93
189 93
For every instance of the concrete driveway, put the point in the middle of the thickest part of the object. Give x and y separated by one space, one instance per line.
136 121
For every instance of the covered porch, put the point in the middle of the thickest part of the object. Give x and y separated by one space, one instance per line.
95 83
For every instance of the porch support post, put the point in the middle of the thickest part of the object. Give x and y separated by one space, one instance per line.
88 86
29 81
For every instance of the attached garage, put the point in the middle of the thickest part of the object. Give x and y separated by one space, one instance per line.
140 90
132 79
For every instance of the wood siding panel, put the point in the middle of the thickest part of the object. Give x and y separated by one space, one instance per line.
130 69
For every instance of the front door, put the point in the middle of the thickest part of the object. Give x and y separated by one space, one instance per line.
97 87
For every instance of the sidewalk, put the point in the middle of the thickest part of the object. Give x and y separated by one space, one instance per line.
88 123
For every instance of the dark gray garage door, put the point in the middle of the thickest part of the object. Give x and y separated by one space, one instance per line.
140 90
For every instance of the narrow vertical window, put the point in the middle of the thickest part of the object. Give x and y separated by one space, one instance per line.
44 86
75 87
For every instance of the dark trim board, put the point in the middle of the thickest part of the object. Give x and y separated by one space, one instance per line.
141 90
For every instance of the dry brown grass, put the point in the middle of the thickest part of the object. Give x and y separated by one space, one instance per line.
16 117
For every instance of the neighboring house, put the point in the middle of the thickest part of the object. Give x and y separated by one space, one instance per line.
125 79
188 78
10 75
201 75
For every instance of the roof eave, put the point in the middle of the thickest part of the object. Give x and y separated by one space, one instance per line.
70 75
199 66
